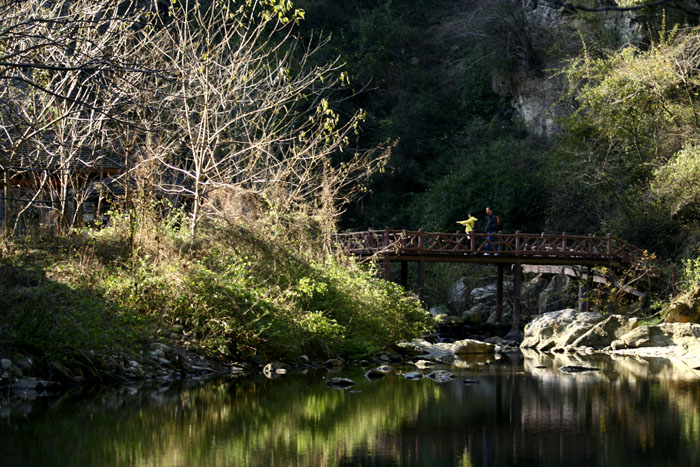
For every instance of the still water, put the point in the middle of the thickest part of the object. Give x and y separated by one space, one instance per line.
513 411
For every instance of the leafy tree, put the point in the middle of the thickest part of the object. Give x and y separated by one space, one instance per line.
635 128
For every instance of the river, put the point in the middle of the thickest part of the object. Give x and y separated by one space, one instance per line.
517 410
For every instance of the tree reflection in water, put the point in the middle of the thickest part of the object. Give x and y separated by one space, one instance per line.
523 412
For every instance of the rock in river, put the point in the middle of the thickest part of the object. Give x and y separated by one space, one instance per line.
340 383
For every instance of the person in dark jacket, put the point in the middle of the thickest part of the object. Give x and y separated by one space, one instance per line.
491 227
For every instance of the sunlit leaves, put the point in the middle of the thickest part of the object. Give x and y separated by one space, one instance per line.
678 181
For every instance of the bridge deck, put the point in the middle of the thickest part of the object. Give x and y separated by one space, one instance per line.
497 248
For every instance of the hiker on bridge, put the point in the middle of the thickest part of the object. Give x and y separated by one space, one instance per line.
470 225
493 224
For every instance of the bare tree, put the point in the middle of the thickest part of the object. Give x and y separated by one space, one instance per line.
67 72
248 110
239 106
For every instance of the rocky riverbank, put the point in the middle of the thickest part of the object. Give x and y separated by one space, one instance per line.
568 331
26 378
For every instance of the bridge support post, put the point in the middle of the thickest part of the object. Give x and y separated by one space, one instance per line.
589 289
404 274
421 279
387 268
517 273
499 294
584 290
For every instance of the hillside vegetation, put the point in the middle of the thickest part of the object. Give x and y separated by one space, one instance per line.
215 233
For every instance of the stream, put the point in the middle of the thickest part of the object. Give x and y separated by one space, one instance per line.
516 410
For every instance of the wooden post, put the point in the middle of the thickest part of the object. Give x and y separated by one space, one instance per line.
517 271
589 289
404 274
421 279
499 294
517 241
387 268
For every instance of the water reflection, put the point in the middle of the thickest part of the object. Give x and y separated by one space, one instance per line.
516 411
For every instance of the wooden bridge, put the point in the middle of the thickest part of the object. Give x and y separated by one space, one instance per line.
515 249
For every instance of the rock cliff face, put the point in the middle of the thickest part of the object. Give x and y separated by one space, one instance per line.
554 35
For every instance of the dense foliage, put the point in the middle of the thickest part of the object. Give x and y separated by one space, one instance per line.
427 85
436 80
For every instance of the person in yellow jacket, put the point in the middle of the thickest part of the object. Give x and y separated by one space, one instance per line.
469 224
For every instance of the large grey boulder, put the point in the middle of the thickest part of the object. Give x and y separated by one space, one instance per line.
603 334
643 336
558 329
684 335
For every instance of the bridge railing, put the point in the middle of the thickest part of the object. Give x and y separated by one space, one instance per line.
403 242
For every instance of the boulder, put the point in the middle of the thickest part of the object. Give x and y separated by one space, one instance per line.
444 352
603 334
374 374
504 345
558 329
334 363
477 314
440 352
413 348
458 295
25 384
423 364
470 346
643 336
388 356
685 309
413 376
24 362
486 295
506 316
440 376
274 368
340 383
